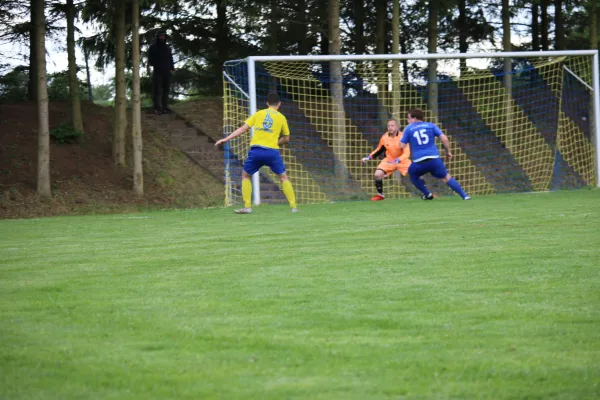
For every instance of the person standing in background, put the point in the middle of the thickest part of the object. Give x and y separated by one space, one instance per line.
160 58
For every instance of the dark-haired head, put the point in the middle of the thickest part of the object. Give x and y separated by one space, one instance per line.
417 114
273 99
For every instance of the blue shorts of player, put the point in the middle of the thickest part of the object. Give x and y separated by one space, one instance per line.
260 156
434 166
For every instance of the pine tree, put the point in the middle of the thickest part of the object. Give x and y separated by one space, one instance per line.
74 95
43 167
136 132
120 88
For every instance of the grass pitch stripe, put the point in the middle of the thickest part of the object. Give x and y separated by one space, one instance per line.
503 303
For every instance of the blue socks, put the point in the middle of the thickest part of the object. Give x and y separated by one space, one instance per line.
420 184
454 185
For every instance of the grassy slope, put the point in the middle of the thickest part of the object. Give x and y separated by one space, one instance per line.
83 177
494 298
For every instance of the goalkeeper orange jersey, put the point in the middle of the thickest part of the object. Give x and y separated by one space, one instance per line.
391 146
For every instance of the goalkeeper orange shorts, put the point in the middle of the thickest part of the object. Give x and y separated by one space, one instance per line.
389 167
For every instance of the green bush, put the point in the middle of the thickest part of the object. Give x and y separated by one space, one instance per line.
64 133
164 179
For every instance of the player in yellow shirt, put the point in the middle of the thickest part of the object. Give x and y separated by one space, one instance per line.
270 131
396 158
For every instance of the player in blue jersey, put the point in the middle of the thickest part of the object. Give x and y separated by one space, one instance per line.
425 155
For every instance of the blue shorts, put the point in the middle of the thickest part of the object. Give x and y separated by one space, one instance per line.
260 156
433 166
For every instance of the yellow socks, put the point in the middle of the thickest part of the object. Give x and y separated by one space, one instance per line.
247 192
286 186
288 190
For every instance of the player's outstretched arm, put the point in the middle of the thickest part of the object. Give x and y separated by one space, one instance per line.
446 144
233 135
379 150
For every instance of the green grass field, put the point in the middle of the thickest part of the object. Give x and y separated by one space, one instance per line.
497 298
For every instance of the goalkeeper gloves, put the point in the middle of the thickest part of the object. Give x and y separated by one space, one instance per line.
365 159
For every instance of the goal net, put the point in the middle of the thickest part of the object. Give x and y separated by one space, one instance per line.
517 124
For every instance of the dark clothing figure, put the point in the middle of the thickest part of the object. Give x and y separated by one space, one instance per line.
161 60
161 82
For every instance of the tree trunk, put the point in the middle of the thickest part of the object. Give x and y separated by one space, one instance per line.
222 39
381 66
359 30
273 43
545 25
119 142
535 25
403 50
337 92
74 95
432 86
32 84
89 76
381 19
463 45
559 41
136 132
506 41
322 12
360 45
396 63
507 68
304 46
43 170
593 17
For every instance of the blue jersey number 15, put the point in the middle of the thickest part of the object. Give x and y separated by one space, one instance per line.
421 137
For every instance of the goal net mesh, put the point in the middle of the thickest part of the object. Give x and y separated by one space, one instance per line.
528 130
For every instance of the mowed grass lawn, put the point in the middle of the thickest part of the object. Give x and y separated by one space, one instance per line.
497 298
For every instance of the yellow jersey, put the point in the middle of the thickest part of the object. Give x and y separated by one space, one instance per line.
268 125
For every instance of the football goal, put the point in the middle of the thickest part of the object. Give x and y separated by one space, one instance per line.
517 122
